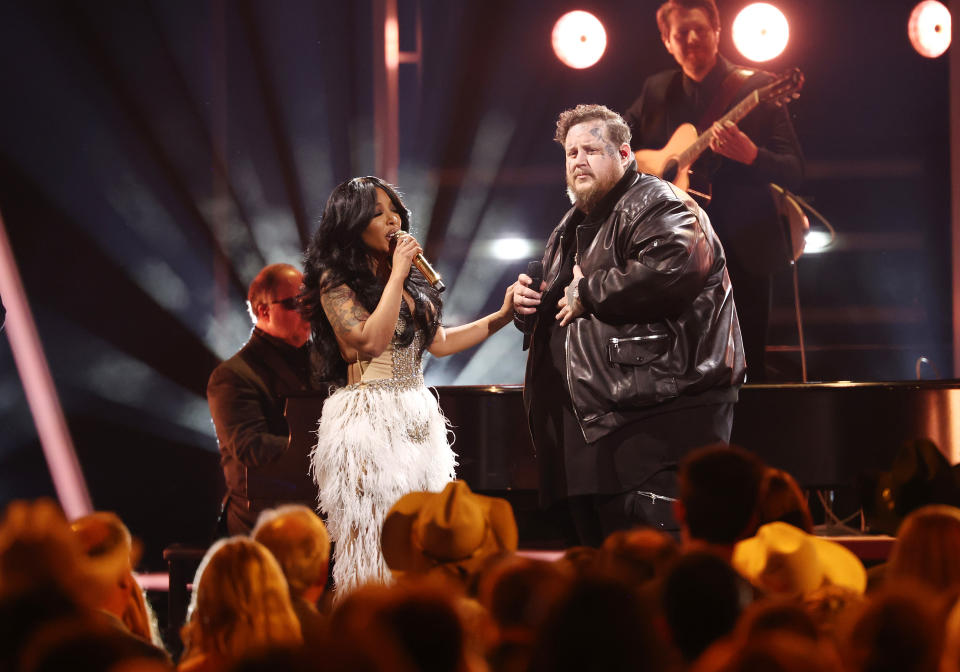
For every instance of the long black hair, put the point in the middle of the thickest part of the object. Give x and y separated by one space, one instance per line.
338 256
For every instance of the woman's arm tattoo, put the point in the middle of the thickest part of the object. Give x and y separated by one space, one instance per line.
342 309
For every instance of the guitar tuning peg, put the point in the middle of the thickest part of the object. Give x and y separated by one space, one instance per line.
796 95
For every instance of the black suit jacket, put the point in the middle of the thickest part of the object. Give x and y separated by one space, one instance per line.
741 210
246 394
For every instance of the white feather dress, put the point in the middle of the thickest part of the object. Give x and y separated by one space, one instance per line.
377 440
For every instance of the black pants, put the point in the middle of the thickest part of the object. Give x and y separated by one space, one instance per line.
595 517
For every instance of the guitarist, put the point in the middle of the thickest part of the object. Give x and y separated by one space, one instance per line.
741 161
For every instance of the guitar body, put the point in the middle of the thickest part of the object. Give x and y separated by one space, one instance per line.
663 162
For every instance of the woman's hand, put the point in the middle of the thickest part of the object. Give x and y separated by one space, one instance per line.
506 309
405 250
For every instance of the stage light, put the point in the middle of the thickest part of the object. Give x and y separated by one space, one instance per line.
579 39
760 32
817 241
929 28
510 249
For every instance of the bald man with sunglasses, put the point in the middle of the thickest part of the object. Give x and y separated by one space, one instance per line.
247 393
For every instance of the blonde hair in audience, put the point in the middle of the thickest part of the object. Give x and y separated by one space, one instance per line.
139 617
240 602
927 548
299 541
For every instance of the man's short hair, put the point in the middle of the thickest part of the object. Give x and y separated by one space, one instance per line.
709 8
263 289
299 541
719 485
616 128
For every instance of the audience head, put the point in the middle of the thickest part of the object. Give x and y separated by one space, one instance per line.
450 533
777 615
519 592
108 547
601 623
418 620
240 602
719 485
768 652
702 599
89 645
927 548
950 661
298 539
580 560
784 560
39 552
897 631
643 553
781 499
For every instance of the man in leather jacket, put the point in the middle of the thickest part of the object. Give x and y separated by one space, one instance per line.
635 355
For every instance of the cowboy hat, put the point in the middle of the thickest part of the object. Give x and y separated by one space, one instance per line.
454 528
786 560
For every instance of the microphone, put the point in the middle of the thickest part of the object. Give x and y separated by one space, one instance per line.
429 272
535 271
424 267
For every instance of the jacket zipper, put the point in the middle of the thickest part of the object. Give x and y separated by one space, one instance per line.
650 337
566 344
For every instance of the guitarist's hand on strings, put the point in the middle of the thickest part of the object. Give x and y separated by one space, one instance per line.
731 142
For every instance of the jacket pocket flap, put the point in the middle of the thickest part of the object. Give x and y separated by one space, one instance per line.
637 350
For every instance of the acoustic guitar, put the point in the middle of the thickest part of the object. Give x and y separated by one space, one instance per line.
673 161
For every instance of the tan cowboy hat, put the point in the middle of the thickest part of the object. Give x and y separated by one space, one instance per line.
451 529
784 559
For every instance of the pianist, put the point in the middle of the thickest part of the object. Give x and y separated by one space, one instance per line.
246 394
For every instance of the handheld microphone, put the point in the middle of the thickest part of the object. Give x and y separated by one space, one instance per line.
424 267
535 271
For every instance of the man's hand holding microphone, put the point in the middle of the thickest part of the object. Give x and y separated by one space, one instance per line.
526 299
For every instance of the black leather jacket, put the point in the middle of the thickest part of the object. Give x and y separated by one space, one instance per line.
660 329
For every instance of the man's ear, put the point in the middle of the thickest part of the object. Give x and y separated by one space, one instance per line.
625 154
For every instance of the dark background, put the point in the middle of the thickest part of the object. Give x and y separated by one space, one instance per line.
154 154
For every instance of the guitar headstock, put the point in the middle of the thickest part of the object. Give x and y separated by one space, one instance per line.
783 89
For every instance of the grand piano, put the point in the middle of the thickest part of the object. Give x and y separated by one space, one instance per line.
828 435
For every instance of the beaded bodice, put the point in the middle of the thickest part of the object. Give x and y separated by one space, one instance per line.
398 366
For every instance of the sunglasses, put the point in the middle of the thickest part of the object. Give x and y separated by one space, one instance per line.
289 303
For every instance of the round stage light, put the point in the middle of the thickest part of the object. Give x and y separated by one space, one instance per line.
510 249
760 32
817 241
929 28
579 39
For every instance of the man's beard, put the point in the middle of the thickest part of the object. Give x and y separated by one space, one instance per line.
586 197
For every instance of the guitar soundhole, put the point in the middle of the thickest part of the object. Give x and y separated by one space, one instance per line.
670 169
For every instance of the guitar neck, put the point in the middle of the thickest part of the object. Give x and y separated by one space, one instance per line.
738 112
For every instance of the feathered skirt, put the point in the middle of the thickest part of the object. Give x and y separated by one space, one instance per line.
376 442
